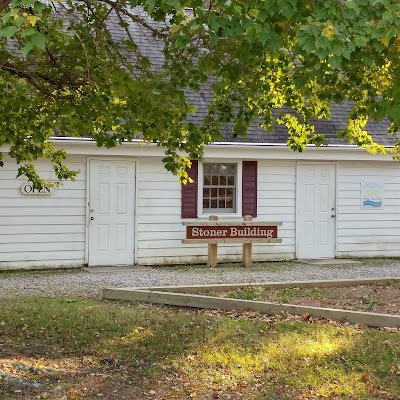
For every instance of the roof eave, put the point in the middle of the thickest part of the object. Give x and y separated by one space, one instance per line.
74 140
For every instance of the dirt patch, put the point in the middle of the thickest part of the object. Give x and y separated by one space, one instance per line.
378 298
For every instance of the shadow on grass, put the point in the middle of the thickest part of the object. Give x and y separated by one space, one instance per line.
120 349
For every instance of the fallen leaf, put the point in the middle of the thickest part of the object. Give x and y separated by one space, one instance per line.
305 317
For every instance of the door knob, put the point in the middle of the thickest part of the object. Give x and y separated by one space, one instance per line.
92 218
333 215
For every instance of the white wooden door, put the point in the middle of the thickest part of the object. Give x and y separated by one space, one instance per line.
111 212
316 211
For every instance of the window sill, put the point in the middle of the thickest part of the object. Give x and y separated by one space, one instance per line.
222 216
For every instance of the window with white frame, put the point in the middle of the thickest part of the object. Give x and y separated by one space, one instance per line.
219 187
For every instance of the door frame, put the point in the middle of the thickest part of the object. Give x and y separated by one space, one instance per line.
297 225
135 208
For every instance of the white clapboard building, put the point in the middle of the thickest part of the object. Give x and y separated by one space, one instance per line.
125 208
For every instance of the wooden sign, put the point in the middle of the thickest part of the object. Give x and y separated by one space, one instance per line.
246 232
231 232
28 189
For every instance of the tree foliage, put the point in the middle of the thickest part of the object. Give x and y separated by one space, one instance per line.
65 71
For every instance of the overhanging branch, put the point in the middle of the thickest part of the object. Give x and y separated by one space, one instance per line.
4 4
31 78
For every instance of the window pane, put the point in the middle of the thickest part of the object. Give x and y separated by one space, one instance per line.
219 187
231 169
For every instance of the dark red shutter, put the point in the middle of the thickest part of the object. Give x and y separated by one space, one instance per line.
189 193
249 188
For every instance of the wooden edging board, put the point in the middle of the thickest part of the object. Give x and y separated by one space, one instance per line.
174 296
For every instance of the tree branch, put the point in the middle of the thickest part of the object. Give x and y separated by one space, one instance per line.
4 4
134 18
134 45
30 77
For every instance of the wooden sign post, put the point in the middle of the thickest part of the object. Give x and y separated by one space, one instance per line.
247 248
246 232
212 248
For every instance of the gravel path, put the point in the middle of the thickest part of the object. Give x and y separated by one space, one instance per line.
87 284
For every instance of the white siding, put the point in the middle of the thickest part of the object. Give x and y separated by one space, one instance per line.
42 230
365 233
51 230
277 202
160 229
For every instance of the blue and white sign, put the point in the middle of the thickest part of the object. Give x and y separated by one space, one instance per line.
372 195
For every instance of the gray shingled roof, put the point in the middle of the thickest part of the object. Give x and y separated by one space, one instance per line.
329 128
279 134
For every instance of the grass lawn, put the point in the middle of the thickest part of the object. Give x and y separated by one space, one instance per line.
64 349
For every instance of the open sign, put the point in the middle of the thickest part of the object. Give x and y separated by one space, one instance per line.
28 189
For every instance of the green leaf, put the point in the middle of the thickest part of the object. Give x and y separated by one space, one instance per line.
322 53
175 28
27 48
351 4
285 8
195 26
335 62
264 36
10 14
254 12
322 42
360 41
346 52
182 42
149 5
29 32
146 62
262 16
200 12
214 24
39 40
27 3
8 31
378 46
38 7
176 4
309 45
19 21
367 61
300 82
